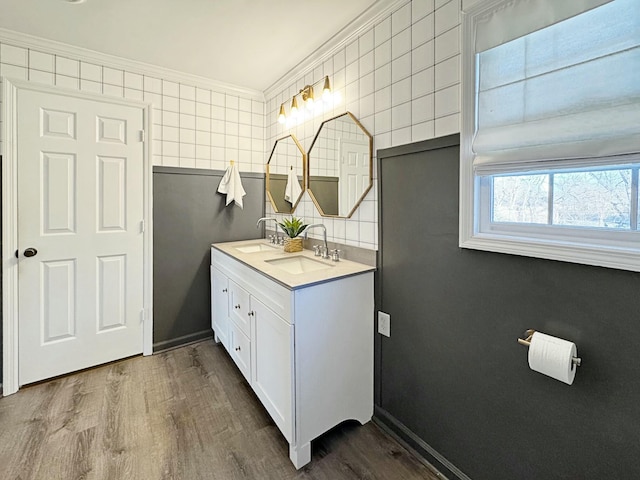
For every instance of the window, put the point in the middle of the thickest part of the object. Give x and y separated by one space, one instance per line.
551 130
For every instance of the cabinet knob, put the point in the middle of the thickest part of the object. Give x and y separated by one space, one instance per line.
237 349
237 306
224 290
250 314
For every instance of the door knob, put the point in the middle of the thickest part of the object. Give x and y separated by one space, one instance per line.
30 252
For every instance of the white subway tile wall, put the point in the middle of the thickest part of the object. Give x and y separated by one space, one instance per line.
401 79
192 127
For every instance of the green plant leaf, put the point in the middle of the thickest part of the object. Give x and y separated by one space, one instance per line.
293 226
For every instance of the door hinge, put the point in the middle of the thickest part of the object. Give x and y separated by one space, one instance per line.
141 226
142 136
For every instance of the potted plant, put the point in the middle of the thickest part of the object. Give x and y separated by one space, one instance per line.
293 227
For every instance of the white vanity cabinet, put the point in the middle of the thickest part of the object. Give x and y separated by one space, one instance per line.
272 368
240 350
220 306
240 328
306 351
260 343
240 307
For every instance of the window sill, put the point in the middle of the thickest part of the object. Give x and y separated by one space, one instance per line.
573 252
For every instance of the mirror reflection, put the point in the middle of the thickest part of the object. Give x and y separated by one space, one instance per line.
340 166
285 174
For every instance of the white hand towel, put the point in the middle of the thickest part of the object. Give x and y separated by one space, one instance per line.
231 185
293 190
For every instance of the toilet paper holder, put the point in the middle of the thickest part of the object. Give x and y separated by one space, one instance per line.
577 361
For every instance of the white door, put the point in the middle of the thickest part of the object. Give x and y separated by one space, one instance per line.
80 207
354 174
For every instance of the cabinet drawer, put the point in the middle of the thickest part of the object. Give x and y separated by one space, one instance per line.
240 350
240 307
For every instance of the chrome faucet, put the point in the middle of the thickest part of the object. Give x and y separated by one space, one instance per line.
264 219
324 251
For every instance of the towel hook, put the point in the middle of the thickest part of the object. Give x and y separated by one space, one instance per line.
232 162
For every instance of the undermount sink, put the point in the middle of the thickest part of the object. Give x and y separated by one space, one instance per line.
298 264
256 247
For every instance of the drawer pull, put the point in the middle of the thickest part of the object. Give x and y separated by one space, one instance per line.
237 306
250 314
224 290
237 349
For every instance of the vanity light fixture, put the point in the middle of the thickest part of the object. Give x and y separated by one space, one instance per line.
308 97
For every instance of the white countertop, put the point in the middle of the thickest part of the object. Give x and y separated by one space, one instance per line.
258 261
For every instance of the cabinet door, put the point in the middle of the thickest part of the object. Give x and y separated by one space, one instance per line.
239 304
240 350
220 306
272 367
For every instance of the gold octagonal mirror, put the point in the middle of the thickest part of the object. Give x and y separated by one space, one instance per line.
285 174
340 166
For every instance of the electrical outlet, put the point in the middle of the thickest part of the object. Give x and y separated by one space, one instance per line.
384 324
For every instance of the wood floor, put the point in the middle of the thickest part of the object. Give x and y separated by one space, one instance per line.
182 414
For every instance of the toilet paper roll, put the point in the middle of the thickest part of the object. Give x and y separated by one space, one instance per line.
552 356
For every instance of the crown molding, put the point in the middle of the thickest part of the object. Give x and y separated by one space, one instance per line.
112 61
346 35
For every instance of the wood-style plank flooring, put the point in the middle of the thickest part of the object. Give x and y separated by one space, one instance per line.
182 414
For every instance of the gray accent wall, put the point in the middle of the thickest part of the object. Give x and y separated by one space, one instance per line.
277 187
188 216
453 382
325 191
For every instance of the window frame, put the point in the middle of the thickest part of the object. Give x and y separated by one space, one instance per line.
597 247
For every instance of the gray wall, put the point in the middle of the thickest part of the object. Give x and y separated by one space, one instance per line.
325 191
189 216
451 379
277 186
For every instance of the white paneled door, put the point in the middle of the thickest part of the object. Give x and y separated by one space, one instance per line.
354 174
80 203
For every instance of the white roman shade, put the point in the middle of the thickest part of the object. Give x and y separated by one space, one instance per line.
507 20
556 80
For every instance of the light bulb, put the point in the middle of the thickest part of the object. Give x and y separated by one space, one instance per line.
307 96
326 90
310 103
281 116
